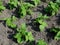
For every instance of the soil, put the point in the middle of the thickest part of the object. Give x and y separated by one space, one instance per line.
6 33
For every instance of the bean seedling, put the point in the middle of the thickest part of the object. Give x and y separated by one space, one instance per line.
22 34
10 22
41 21
52 8
24 9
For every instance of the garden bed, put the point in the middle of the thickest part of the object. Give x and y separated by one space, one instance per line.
6 33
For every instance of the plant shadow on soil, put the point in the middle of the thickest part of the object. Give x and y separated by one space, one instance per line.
16 13
58 20
43 0
34 26
29 1
11 34
3 22
8 7
31 43
41 9
47 0
50 35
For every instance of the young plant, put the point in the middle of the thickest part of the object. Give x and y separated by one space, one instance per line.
10 22
41 21
1 6
41 42
24 9
36 2
22 34
52 8
57 31
13 3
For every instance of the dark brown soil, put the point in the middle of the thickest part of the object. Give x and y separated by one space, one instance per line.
6 33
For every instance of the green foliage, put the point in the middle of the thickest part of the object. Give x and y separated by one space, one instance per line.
42 26
41 21
58 2
52 8
57 37
57 31
24 9
22 34
41 42
36 2
13 3
1 6
10 22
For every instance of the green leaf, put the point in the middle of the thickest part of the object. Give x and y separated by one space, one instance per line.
41 42
30 12
44 24
18 37
13 18
53 13
53 29
1 6
26 38
41 27
28 5
23 27
30 36
58 1
13 25
23 11
8 21
57 37
40 21
36 2
46 17
13 3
